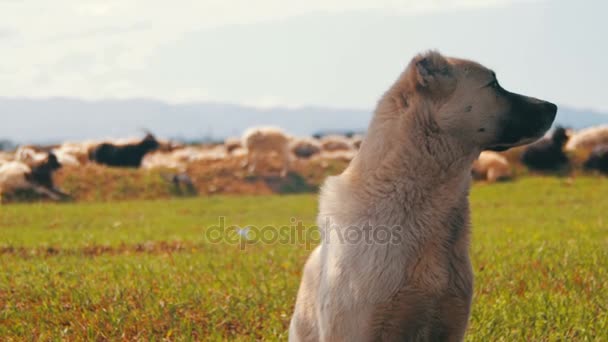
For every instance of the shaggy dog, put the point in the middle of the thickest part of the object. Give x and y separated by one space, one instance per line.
393 264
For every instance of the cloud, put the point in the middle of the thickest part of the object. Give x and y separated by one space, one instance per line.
100 31
41 20
93 48
69 16
6 33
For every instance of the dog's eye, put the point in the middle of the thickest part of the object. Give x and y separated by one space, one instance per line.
494 84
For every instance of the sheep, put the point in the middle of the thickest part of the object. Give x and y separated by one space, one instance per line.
357 140
17 175
343 155
185 155
163 144
13 176
180 158
322 134
238 152
6 157
491 166
588 138
217 152
65 158
232 144
162 160
547 153
191 153
80 151
30 154
304 147
598 159
264 142
339 147
331 143
129 155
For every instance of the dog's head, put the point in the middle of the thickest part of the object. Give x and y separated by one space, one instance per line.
471 105
52 162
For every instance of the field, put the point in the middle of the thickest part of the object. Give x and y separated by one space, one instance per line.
152 270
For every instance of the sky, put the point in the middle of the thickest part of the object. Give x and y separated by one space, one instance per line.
266 53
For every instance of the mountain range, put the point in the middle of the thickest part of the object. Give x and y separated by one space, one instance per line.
25 120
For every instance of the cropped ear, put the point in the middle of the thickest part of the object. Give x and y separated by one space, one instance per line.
431 68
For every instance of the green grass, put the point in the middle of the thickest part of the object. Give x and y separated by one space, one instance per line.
147 270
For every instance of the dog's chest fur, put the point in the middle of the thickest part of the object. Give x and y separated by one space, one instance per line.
402 282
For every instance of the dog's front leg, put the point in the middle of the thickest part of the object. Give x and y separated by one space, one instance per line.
344 324
344 312
455 305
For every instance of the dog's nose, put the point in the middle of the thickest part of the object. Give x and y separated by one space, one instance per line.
551 108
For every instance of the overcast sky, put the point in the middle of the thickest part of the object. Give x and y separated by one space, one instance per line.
341 53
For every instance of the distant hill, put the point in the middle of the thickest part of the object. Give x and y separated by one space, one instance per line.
58 119
580 118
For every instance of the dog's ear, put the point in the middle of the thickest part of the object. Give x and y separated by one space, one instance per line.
430 69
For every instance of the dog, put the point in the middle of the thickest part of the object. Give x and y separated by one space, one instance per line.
410 181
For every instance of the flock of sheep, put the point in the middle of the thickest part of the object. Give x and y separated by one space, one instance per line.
550 153
30 168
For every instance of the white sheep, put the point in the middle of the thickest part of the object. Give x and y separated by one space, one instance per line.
238 152
344 155
13 176
216 152
357 140
180 158
163 144
177 159
185 155
332 143
122 141
6 157
263 143
76 150
163 160
491 166
232 144
588 139
65 158
29 154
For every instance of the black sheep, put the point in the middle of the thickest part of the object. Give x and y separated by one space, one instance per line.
126 155
547 154
598 159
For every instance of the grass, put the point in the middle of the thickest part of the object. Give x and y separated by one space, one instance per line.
147 269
